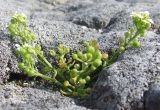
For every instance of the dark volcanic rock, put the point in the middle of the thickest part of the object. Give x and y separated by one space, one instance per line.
152 97
121 86
5 55
69 34
53 2
98 16
122 20
14 97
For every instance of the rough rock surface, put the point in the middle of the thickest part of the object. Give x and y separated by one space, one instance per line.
152 98
120 87
5 55
14 97
96 16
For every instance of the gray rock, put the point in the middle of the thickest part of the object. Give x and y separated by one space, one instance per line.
75 5
98 15
139 1
152 97
5 54
49 15
69 34
53 2
15 97
121 85
122 20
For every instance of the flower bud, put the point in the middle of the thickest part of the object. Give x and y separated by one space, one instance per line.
88 78
105 56
89 56
93 68
52 53
26 32
31 73
30 51
148 25
61 64
98 54
22 34
74 79
91 49
21 65
60 48
85 57
60 51
66 50
136 44
80 54
97 62
27 69
121 48
74 56
127 34
38 47
23 51
66 83
142 33
82 81
74 72
12 28
27 56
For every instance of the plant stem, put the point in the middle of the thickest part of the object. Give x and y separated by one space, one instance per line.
44 59
136 34
118 52
114 57
50 79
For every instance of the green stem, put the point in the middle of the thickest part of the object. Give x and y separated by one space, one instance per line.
136 34
54 73
41 62
50 79
44 59
114 57
83 73
118 52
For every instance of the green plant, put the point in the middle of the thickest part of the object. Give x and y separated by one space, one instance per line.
142 23
73 75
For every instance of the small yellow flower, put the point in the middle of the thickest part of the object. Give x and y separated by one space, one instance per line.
105 56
